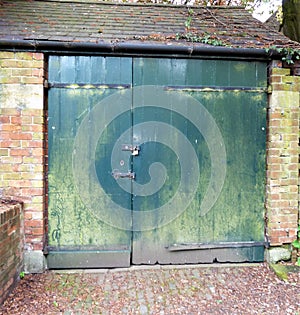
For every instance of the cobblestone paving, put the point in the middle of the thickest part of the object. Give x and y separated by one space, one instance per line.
161 290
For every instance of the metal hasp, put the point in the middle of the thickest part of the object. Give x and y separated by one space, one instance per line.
134 149
116 174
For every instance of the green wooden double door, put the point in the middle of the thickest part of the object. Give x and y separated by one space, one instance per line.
155 160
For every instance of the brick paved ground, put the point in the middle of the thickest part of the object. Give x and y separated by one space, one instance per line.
163 290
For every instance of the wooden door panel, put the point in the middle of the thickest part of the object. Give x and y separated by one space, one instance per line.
78 236
234 95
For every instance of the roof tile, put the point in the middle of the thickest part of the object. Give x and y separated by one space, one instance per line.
93 21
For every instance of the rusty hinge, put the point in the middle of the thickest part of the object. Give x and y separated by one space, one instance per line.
46 84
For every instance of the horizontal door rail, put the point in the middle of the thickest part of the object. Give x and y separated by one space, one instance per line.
219 245
85 248
166 88
203 88
88 259
85 86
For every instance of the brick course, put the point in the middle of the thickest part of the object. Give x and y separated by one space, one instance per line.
282 157
22 137
11 246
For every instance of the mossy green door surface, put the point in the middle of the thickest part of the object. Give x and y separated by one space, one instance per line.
155 160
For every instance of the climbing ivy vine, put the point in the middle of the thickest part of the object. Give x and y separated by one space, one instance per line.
289 55
296 244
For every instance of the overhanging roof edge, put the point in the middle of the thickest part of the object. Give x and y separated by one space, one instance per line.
186 49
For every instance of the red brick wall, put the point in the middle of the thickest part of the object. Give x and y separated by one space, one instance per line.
22 138
11 246
282 156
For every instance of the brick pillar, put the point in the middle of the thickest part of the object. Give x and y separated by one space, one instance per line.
282 157
22 144
11 246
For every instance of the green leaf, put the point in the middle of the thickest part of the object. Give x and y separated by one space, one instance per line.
296 243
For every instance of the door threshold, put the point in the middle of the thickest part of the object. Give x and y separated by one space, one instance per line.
156 267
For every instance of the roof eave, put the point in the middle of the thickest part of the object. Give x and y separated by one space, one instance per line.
134 48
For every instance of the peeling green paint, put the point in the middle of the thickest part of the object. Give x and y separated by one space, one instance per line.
71 223
240 66
238 213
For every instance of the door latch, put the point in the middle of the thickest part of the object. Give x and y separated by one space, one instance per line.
116 174
133 148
